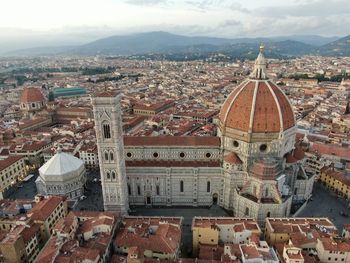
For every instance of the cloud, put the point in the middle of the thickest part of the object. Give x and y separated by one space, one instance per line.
207 5
146 2
235 6
230 23
318 8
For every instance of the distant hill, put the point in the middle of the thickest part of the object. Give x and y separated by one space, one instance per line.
340 47
313 40
163 42
157 43
144 43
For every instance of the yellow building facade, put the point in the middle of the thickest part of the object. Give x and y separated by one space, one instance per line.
336 180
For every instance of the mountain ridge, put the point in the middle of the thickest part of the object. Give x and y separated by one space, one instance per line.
164 42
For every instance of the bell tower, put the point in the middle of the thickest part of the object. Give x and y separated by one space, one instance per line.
110 146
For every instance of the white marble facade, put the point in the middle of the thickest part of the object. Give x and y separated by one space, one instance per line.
201 171
63 175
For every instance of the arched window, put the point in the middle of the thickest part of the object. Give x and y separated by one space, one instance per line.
181 186
208 187
129 189
246 211
157 190
106 156
106 131
138 190
113 175
111 156
268 214
108 175
266 192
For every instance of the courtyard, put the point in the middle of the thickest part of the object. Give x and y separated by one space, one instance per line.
327 204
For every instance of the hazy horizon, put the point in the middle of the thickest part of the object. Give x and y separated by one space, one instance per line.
26 24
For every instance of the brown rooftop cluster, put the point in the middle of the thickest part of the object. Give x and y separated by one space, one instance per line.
159 234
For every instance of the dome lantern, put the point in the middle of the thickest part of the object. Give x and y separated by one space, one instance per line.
259 71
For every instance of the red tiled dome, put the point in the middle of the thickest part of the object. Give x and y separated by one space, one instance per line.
31 95
257 106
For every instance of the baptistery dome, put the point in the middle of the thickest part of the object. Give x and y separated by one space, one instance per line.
257 105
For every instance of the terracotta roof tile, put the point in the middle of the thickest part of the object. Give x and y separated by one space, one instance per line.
270 102
162 163
31 95
172 141
232 158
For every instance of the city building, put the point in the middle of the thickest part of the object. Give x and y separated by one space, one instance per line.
288 253
63 175
66 92
262 253
47 211
148 109
12 170
305 230
26 225
21 244
31 101
88 154
336 180
218 230
157 237
81 237
333 251
251 168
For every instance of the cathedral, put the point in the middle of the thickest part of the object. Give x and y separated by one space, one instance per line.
252 168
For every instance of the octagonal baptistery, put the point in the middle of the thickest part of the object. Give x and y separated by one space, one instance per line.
64 174
257 118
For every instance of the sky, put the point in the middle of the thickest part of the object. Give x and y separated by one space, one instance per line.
57 22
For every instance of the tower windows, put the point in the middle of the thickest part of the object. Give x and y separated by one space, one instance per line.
157 190
108 176
129 189
106 131
111 156
208 187
113 175
181 186
106 156
266 192
138 190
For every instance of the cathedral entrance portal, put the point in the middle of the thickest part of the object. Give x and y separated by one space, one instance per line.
148 200
215 199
